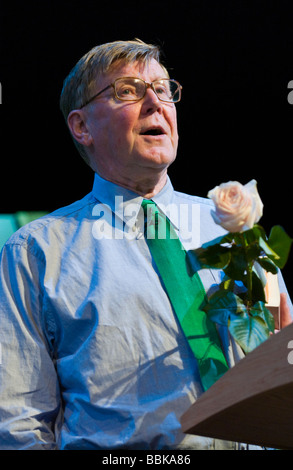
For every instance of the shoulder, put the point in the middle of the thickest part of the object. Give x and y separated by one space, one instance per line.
46 229
190 199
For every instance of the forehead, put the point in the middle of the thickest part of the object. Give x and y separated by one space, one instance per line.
148 71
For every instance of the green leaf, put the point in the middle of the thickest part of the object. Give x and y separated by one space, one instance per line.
259 309
213 256
259 231
249 326
221 305
238 264
268 265
249 331
228 238
252 235
252 326
258 293
269 251
280 242
253 251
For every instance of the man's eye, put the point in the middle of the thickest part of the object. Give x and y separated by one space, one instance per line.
163 91
127 91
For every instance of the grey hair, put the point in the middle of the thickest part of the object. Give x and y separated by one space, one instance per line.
79 85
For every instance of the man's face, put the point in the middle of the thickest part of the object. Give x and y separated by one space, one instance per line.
120 148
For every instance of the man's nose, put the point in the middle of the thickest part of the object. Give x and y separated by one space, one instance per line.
151 102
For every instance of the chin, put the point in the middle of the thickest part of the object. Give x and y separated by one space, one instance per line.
158 158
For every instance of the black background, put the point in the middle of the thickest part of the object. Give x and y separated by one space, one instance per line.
233 58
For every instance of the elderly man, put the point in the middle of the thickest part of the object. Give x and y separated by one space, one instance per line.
92 353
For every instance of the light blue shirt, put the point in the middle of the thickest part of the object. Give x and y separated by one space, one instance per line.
92 356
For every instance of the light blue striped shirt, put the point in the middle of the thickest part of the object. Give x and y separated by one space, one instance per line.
92 356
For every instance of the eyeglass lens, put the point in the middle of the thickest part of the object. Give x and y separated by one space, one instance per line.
134 89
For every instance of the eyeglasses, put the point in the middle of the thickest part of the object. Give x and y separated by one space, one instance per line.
134 89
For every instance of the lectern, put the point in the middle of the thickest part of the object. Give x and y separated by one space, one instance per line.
253 401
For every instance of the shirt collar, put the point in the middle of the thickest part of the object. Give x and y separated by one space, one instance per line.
126 203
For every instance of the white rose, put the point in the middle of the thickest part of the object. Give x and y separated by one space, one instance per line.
237 207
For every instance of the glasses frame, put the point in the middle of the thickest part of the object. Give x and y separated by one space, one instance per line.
147 85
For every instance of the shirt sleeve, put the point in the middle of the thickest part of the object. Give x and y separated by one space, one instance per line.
29 391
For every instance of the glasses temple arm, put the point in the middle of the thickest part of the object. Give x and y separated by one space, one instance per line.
95 96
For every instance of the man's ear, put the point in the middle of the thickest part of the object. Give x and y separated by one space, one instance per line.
77 124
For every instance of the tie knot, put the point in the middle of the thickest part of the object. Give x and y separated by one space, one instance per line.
157 225
150 209
148 203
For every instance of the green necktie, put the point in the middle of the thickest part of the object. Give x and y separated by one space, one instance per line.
186 293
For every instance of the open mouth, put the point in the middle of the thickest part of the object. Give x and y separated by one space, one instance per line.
153 131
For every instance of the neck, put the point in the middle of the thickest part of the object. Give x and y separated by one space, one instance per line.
147 186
